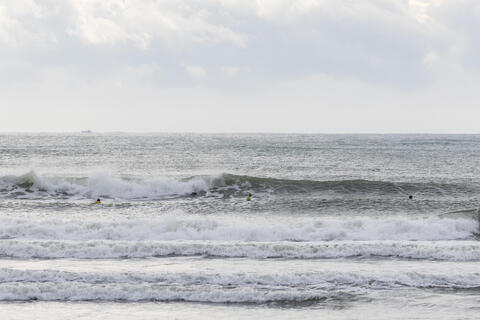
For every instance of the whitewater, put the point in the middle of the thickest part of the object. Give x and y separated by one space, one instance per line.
339 226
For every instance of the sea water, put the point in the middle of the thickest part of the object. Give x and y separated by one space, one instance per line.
330 232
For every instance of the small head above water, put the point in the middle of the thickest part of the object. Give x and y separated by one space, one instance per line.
410 197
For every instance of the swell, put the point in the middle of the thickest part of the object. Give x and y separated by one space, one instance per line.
98 184
343 186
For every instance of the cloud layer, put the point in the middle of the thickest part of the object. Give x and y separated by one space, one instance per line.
227 65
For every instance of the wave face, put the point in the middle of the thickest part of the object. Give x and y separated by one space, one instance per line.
32 186
357 186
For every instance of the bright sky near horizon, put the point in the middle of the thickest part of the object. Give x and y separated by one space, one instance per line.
327 66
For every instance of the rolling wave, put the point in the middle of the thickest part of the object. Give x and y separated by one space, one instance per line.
32 186
324 279
109 249
180 226
128 292
54 285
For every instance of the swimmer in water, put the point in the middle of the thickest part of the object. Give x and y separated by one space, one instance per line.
249 198
98 201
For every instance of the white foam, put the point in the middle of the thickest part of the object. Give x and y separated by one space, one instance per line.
324 279
104 249
77 291
102 184
179 226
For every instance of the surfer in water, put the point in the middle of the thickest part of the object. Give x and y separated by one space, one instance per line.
98 201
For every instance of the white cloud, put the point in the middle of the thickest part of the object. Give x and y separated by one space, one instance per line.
18 21
176 24
366 57
94 22
197 72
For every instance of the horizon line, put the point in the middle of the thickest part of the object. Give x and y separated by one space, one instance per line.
87 132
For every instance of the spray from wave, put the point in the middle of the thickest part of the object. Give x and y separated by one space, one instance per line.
99 184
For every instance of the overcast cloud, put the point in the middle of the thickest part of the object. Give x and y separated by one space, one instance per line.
241 66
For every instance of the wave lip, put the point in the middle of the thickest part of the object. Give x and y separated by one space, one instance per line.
104 249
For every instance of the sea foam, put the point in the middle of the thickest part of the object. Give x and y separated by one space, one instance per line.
108 249
181 226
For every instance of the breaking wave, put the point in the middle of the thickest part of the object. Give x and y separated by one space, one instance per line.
99 184
326 279
75 291
108 249
181 226
53 285
31 186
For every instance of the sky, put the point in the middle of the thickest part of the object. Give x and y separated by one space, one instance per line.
300 66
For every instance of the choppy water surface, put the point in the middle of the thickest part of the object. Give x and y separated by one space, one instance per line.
330 231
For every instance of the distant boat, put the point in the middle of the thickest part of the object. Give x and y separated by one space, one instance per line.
87 131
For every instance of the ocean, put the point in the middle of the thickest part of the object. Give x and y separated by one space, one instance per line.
338 226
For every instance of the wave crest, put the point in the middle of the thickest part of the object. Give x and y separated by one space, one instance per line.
100 184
